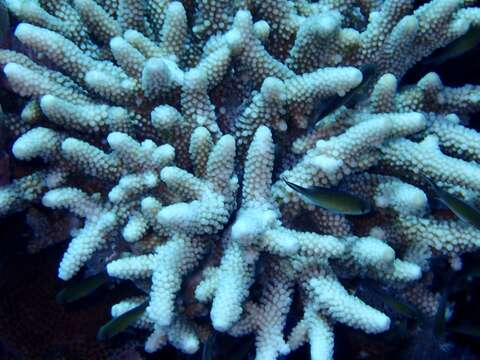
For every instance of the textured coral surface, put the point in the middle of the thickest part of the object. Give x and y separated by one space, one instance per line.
159 133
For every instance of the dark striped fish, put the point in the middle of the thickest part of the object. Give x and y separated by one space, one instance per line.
82 288
466 329
439 322
4 25
456 48
401 307
354 96
120 323
460 208
333 200
207 352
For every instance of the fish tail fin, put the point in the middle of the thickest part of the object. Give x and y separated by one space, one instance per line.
286 181
430 183
295 187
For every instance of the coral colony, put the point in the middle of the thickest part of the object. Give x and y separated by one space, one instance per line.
164 131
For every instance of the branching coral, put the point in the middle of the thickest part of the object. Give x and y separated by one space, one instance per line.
171 142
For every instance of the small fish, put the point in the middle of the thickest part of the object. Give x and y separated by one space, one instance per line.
354 96
4 24
55 355
460 208
439 322
466 329
333 200
120 323
207 352
467 279
401 307
243 351
82 288
473 272
456 48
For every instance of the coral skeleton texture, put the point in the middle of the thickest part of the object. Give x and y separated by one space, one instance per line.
164 128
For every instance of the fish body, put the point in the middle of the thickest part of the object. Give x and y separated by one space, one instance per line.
120 323
333 200
4 24
466 329
456 48
401 307
460 208
207 353
349 100
82 288
439 322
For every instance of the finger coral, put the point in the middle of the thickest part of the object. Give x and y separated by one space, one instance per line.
166 129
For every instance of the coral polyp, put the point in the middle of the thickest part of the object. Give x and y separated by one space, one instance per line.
165 129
